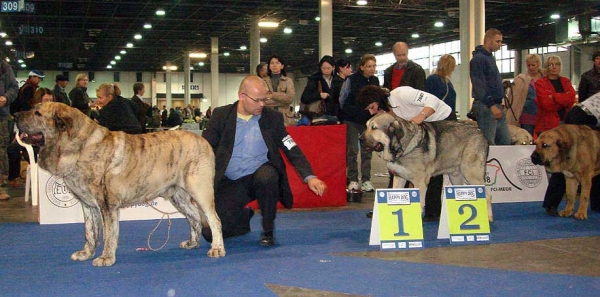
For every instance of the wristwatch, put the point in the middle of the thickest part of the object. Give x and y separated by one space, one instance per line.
423 113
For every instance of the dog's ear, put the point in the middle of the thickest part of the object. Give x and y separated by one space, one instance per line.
395 133
564 147
63 124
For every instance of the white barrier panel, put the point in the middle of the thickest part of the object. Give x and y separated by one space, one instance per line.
58 206
512 177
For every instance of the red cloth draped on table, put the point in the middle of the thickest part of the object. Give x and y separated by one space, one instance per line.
325 148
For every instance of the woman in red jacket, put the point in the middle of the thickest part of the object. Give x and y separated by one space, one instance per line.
554 96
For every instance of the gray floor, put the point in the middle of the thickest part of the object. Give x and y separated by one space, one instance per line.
578 256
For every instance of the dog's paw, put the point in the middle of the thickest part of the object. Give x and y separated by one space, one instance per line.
104 261
581 215
188 244
82 255
565 213
216 252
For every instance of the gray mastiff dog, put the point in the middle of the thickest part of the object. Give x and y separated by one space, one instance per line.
417 152
110 170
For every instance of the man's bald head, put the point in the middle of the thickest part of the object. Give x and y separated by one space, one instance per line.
252 82
401 53
252 95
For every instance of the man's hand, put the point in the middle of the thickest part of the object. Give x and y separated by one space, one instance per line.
497 112
317 186
2 101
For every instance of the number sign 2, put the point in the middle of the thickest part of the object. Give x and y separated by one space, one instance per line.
467 214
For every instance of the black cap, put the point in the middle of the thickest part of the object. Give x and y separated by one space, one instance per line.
595 55
61 77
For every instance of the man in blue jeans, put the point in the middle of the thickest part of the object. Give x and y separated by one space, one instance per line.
488 90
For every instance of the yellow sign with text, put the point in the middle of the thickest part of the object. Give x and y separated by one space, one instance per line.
400 223
467 214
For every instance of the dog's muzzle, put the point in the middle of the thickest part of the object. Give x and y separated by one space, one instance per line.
536 159
378 147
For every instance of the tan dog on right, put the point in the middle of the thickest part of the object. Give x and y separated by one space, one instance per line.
575 151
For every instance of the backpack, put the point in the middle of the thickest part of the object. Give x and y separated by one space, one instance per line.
19 104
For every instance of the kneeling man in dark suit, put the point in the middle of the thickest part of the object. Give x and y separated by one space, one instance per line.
247 139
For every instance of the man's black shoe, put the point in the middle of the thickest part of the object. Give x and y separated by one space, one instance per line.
207 234
552 211
370 214
266 239
430 218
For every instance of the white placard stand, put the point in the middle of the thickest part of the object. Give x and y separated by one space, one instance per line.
58 206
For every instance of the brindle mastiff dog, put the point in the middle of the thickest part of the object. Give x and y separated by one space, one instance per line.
418 152
109 170
575 151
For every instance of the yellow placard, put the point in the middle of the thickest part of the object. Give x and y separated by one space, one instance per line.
400 223
467 214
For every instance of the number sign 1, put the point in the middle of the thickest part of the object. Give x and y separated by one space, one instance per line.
400 223
467 214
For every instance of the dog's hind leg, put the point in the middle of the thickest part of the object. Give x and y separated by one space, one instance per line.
183 202
204 196
92 222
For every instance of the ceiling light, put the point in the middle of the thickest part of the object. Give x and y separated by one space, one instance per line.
113 62
226 54
268 24
348 51
438 24
287 30
3 34
109 66
23 66
160 11
7 60
318 18
201 64
243 47
555 16
123 52
198 55
361 2
173 67
137 36
147 26
129 44
378 43
117 57
415 35
8 42
20 61
263 40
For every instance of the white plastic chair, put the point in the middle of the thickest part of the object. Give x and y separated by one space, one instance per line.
175 127
31 181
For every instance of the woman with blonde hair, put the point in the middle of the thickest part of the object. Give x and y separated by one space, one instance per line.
523 109
555 96
439 83
79 96
117 113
